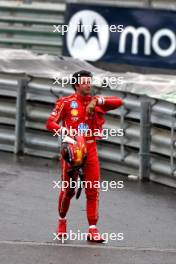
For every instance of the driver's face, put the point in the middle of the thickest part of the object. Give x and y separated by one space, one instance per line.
84 86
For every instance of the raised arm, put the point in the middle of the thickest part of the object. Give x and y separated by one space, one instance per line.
108 103
105 103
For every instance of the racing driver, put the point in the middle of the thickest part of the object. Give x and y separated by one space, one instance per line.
82 112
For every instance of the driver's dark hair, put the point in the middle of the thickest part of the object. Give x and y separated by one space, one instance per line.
79 74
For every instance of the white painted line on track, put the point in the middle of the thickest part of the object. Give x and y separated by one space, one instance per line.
93 246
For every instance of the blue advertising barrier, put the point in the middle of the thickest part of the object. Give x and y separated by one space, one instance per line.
136 36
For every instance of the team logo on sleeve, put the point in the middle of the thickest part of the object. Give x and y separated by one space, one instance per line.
74 112
74 104
54 113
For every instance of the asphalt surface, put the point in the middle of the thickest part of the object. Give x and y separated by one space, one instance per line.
144 212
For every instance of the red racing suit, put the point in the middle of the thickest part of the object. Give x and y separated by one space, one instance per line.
71 110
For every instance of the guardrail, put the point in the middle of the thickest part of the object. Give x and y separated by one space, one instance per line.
26 104
30 26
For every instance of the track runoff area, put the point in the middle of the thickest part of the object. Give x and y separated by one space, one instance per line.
144 213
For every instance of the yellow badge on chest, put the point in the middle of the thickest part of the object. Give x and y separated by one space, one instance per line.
74 112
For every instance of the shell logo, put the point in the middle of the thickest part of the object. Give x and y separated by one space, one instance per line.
74 112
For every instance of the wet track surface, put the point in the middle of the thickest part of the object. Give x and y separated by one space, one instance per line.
144 212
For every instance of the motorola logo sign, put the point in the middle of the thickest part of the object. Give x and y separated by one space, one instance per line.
87 44
151 42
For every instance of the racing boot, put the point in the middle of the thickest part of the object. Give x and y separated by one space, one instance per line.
94 235
62 227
